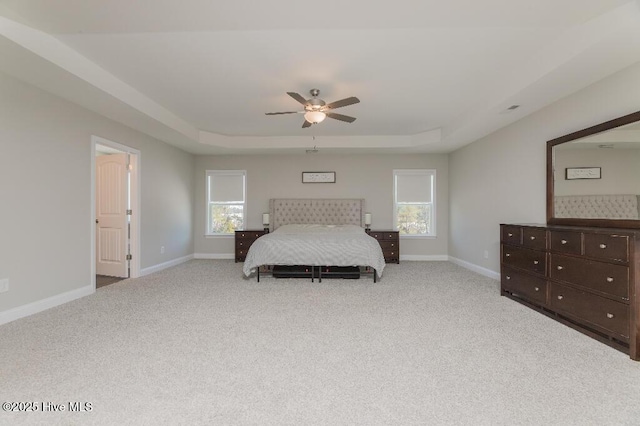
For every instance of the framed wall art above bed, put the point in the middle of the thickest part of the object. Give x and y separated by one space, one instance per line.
318 177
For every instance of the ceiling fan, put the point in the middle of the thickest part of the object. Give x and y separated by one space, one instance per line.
316 110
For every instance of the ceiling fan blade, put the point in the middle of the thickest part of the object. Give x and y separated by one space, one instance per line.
297 97
306 124
285 112
341 117
342 103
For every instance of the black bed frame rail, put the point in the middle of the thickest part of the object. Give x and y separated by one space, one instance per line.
318 274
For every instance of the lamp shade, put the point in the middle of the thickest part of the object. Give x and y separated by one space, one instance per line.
314 116
265 218
367 219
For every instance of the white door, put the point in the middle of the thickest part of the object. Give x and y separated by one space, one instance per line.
111 215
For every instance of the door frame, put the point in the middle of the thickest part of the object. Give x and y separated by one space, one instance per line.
135 158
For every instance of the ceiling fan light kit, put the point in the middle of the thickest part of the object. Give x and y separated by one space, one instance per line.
315 117
316 109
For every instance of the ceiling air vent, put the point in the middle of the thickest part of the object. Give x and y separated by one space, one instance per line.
510 109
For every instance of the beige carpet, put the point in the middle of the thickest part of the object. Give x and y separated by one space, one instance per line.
431 343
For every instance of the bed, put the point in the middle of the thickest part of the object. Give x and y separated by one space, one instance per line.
316 232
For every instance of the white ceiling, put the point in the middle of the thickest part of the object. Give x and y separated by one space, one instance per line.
431 75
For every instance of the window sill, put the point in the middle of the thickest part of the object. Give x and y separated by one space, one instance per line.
418 237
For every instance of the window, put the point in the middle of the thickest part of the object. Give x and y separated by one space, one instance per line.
414 202
226 202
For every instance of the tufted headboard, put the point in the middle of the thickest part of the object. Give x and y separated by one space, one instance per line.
323 211
597 206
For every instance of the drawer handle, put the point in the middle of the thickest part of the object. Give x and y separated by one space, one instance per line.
609 279
563 241
560 297
507 254
603 246
508 277
393 245
560 268
537 289
610 315
240 243
533 238
510 234
535 262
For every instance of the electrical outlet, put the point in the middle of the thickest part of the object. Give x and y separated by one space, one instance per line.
4 285
486 254
161 249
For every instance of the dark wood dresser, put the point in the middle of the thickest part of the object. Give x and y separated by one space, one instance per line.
586 278
244 239
390 244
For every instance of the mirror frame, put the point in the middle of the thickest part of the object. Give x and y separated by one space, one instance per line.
598 128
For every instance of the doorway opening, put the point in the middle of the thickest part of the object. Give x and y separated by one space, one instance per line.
115 206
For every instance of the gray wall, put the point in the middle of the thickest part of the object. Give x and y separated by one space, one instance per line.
357 176
502 177
45 198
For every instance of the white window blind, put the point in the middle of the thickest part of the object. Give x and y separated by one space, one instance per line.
226 187
226 201
414 201
413 188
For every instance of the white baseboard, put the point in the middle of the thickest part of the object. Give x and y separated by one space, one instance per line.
424 258
165 265
475 268
44 304
214 256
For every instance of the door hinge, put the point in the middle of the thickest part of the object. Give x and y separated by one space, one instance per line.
129 212
129 257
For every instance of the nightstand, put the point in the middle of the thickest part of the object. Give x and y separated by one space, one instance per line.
389 243
244 239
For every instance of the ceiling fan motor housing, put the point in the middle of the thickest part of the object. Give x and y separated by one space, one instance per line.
314 103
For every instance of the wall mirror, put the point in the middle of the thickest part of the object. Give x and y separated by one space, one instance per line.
593 175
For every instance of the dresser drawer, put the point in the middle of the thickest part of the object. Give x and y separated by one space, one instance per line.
390 255
566 242
530 260
600 276
535 238
523 285
241 254
252 235
244 242
607 314
388 246
613 247
511 235
384 235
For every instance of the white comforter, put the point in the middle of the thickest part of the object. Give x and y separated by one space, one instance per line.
316 245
